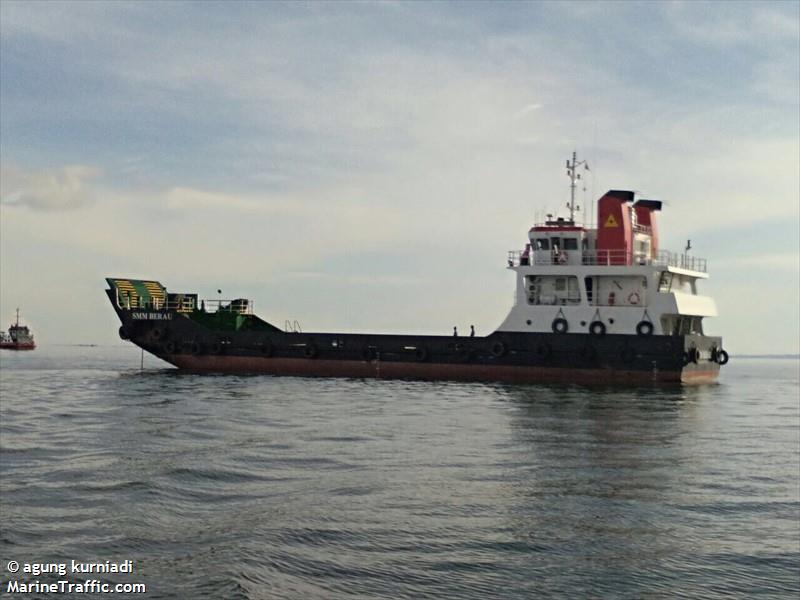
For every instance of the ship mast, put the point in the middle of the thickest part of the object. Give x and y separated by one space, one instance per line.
573 178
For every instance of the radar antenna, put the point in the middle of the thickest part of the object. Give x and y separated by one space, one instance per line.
574 176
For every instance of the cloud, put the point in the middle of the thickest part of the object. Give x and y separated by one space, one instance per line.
526 110
318 148
66 188
322 278
777 261
190 199
743 24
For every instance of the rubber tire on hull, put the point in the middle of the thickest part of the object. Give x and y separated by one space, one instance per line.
597 328
560 325
499 349
722 357
644 329
692 355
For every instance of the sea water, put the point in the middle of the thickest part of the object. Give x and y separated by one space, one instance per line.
264 487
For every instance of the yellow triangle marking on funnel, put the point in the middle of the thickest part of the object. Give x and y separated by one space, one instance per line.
611 222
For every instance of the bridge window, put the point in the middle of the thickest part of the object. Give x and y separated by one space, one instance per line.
665 282
681 325
550 290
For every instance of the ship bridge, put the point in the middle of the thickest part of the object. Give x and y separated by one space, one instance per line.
613 277
626 235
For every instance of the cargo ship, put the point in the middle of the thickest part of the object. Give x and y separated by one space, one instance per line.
19 337
592 305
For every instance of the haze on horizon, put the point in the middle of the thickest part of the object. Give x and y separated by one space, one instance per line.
367 166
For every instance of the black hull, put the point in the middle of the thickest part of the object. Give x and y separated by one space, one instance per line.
501 356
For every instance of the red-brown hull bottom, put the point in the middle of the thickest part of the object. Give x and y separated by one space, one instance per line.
17 346
305 367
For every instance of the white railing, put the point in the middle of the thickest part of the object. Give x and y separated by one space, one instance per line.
185 303
682 261
609 258
240 306
133 302
180 305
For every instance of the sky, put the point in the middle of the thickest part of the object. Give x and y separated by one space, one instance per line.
367 166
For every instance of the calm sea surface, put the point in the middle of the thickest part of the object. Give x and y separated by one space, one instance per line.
261 487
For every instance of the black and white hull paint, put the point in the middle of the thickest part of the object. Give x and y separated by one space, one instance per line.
502 356
592 305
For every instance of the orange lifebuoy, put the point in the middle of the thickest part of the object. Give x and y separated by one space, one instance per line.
634 298
563 257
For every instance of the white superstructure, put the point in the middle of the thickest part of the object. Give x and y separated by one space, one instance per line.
610 279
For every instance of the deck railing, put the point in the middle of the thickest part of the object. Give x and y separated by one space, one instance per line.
240 306
610 258
186 304
682 261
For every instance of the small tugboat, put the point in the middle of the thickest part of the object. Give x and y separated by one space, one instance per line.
592 305
19 337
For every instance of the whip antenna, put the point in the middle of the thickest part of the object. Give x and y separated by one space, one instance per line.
574 177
